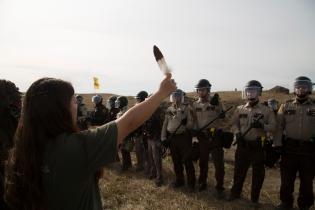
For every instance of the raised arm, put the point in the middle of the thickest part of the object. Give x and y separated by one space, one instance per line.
138 114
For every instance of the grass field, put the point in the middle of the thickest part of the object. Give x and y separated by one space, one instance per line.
132 190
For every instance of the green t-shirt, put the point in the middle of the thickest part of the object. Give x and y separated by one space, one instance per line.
69 166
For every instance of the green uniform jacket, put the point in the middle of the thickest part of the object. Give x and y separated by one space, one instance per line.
69 166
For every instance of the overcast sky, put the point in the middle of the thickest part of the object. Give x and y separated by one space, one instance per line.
226 42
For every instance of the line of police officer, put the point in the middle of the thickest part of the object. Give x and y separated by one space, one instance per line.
185 131
256 127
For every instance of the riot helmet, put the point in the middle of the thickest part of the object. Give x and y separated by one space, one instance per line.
303 86
121 102
252 90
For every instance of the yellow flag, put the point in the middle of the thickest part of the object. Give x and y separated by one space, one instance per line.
96 83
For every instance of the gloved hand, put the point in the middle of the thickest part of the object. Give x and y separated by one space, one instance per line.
195 140
215 100
195 150
166 142
184 121
257 124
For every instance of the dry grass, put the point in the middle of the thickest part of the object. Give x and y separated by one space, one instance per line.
132 190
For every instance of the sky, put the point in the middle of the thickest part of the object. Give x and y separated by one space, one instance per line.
226 42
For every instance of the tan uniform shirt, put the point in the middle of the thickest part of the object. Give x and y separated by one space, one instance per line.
173 117
204 112
244 115
297 121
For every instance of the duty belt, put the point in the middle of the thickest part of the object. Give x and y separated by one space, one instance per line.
209 132
259 142
298 143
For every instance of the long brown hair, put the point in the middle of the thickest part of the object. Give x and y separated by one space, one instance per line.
46 114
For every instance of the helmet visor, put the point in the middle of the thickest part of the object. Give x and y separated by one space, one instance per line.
117 104
251 93
176 97
203 89
96 99
79 100
110 104
303 87
273 104
139 100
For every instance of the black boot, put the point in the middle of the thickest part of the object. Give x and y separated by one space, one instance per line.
202 187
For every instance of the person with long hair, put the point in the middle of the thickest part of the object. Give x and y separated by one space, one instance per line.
10 110
52 165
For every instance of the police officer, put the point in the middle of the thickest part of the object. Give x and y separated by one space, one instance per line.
152 132
178 119
121 103
100 113
113 111
81 113
297 123
252 120
206 109
10 109
140 141
273 104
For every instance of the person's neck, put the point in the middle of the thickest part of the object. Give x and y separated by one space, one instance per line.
204 99
253 103
301 100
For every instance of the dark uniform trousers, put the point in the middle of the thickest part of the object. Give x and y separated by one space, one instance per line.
209 146
155 158
249 153
126 158
141 152
297 158
181 155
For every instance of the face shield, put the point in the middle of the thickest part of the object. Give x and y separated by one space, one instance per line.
251 93
203 92
177 97
139 100
79 100
273 104
117 104
302 88
110 104
96 99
